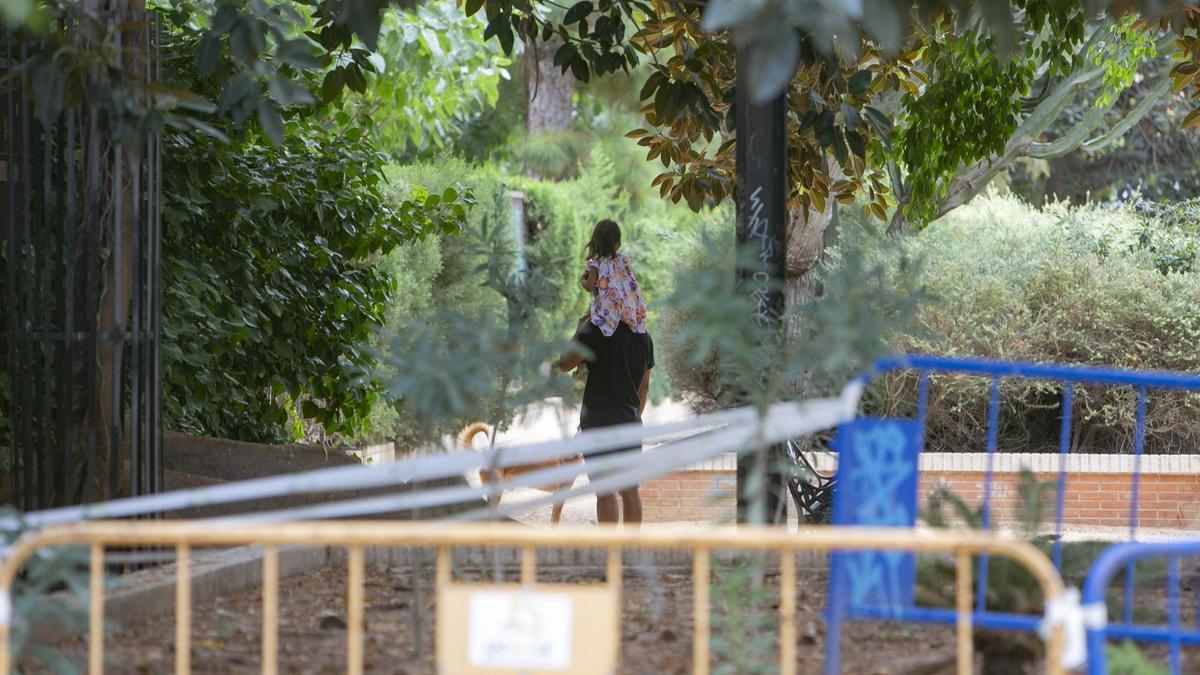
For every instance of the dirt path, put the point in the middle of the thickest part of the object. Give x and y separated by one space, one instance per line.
656 629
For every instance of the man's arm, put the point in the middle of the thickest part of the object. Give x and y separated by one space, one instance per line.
588 280
569 360
572 356
644 392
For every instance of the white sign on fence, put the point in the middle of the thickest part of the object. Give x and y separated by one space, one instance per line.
520 629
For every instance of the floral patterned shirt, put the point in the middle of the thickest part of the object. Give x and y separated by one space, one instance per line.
617 299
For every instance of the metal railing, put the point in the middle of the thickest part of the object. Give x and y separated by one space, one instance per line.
355 536
1175 634
1064 378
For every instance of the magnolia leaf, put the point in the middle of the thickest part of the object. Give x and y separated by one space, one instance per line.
859 83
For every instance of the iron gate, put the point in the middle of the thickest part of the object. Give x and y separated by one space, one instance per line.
80 186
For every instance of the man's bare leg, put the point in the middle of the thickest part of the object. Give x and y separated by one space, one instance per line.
607 510
632 503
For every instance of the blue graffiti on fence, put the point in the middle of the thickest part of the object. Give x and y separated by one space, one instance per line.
878 485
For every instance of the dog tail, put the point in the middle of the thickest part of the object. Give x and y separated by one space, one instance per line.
467 437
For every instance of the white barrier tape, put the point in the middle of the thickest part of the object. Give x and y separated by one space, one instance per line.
360 477
832 411
781 423
1075 619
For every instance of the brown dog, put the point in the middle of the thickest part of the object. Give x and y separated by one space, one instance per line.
468 435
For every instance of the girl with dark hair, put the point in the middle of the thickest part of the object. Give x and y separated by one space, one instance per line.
616 298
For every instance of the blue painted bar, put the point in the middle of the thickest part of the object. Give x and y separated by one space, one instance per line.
1077 374
835 616
1005 621
1137 633
1064 448
992 430
1100 576
1173 622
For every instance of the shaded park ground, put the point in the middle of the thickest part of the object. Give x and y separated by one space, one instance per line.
656 626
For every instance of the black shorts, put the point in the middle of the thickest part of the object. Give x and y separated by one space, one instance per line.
602 453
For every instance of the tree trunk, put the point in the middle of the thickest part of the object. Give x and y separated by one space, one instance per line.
549 91
807 241
116 197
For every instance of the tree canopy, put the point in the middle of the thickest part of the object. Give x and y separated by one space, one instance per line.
900 100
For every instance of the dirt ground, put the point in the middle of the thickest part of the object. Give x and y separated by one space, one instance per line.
656 627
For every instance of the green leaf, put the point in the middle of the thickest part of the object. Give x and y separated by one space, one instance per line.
207 53
298 54
332 85
859 83
578 12
472 6
310 409
355 79
564 54
877 119
851 116
505 36
270 121
579 68
287 93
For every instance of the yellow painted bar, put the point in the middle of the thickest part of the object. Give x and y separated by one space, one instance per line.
962 623
528 565
354 610
95 609
700 612
183 609
615 580
270 610
357 534
787 612
442 572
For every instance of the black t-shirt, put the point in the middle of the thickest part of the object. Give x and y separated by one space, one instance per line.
615 371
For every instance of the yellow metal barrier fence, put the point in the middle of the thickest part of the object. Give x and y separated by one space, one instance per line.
445 536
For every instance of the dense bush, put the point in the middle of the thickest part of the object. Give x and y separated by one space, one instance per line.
1002 280
1095 286
270 291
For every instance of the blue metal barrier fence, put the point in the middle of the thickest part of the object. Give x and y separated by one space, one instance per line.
860 446
1174 634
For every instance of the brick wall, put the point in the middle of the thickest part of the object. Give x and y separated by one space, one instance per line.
1166 500
688 496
